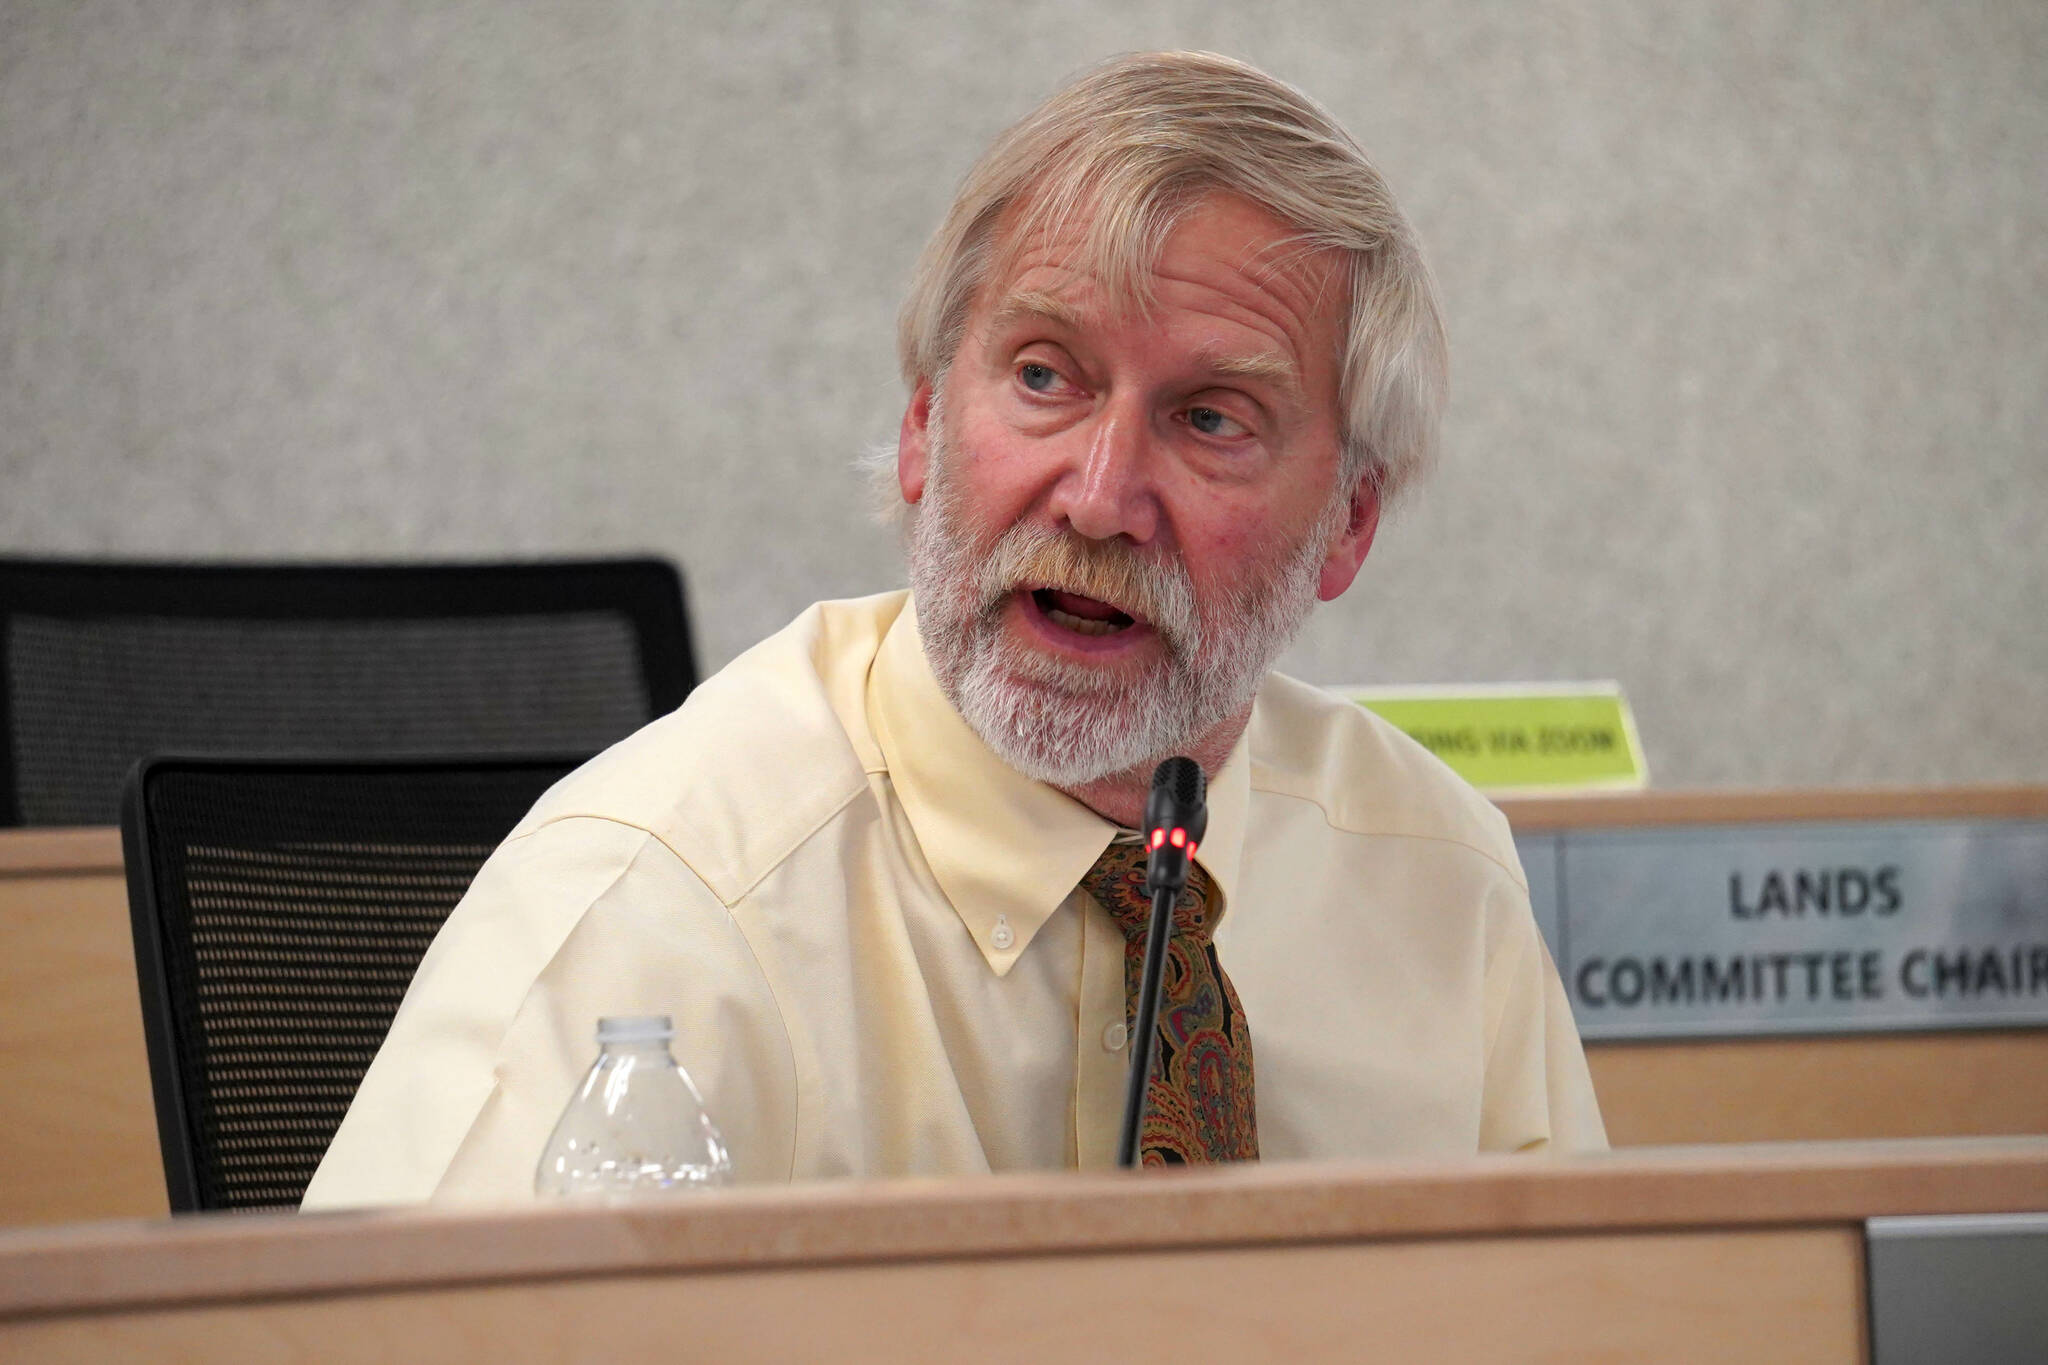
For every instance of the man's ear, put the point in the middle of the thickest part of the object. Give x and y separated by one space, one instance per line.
1348 550
913 443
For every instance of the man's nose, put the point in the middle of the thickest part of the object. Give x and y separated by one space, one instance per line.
1108 491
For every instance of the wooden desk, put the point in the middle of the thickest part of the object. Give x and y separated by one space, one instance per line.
77 1124
1712 1254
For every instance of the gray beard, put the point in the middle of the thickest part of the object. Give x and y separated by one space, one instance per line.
1066 723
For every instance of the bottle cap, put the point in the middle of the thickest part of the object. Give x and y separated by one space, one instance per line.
635 1028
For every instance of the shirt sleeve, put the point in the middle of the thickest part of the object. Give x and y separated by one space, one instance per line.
579 918
1539 1094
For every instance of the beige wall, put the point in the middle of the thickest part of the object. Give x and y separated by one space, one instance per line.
1746 301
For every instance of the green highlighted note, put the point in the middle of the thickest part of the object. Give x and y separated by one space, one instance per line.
1546 737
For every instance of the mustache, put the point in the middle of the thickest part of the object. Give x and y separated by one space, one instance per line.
1154 589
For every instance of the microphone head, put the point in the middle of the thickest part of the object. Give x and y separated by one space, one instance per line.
1182 779
1178 798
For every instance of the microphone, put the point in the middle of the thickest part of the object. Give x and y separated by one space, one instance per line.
1176 818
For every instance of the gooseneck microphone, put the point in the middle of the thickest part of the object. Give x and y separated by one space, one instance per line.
1176 817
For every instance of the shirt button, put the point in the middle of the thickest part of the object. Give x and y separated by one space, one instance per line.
1002 936
1115 1036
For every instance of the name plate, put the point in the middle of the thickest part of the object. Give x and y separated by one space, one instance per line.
1796 928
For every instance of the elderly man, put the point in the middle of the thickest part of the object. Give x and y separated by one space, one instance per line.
1169 355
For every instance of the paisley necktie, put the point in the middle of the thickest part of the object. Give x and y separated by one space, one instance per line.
1199 1105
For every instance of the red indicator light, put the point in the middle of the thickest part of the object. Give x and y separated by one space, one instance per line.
1158 837
1178 837
1191 848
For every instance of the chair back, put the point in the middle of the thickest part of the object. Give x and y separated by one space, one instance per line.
279 910
104 664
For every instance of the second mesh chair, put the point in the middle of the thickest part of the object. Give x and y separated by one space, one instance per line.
102 664
279 910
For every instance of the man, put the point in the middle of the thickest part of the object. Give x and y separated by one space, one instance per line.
1169 354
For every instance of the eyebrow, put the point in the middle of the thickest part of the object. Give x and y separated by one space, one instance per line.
1270 366
1273 367
1034 303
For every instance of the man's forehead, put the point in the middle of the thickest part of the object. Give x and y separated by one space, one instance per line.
1055 273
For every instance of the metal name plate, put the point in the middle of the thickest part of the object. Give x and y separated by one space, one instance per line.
1958 1291
1796 928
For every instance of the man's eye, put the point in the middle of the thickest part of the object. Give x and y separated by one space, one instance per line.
1209 422
1037 378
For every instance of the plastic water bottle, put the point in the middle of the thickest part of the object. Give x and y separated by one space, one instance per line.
636 1127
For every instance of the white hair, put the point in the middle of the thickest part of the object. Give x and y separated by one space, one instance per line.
1133 144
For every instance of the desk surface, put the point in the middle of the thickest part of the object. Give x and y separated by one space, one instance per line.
194 1260
74 851
1741 806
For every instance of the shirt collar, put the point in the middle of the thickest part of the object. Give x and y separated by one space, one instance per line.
1006 850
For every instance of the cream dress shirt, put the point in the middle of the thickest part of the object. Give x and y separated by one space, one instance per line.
867 930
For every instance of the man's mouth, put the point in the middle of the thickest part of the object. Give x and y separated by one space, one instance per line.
1082 615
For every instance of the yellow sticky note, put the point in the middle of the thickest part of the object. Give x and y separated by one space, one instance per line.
1547 737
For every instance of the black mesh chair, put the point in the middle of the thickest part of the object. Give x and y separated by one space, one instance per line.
279 911
104 664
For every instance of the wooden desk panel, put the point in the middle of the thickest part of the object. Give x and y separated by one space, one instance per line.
1706 1254
1792 1296
77 1124
1909 1085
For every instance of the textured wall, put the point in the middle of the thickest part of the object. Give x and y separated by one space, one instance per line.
1746 303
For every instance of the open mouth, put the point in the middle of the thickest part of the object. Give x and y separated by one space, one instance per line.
1082 615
